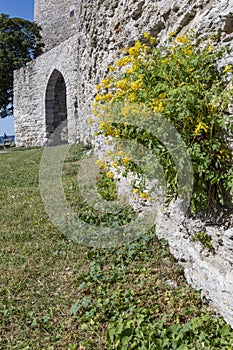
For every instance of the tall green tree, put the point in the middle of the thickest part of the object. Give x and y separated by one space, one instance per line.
20 42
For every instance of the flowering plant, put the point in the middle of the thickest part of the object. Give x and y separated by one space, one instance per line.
181 82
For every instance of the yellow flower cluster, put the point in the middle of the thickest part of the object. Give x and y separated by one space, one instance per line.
158 104
124 61
151 39
125 161
100 163
165 60
183 39
110 174
109 130
105 97
188 51
201 126
135 50
143 195
136 85
106 83
132 97
122 84
224 154
115 164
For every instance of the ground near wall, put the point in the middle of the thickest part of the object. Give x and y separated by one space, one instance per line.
56 294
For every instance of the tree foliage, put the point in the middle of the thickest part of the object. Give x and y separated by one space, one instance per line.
20 42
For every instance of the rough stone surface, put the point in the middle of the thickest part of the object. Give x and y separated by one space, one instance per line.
82 38
208 270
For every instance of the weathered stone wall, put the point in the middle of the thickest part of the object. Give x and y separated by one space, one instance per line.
101 28
30 93
58 19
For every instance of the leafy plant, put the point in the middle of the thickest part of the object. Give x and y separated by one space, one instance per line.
106 186
179 81
204 239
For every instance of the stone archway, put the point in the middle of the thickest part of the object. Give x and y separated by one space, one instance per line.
56 109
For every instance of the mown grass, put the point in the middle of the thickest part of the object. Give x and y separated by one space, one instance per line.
55 294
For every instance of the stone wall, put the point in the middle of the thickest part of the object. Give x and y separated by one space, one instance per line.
30 86
98 32
59 20
102 28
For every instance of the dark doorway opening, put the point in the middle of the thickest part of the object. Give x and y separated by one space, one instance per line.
56 110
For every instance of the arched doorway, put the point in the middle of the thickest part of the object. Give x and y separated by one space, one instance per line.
56 110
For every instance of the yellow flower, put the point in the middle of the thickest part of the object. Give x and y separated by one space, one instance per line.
146 35
132 97
98 87
111 131
125 161
102 125
136 85
165 60
152 40
124 61
143 195
135 190
129 71
188 51
117 133
98 97
224 153
99 162
163 95
111 68
201 126
106 97
119 93
172 34
183 39
138 45
110 174
158 106
122 84
133 52
106 83
228 68
104 166
90 121
115 164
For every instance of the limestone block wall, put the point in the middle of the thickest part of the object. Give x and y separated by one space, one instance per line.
102 28
58 19
106 26
30 86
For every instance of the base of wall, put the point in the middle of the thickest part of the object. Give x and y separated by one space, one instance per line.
208 270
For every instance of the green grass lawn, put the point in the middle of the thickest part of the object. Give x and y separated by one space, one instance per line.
55 294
